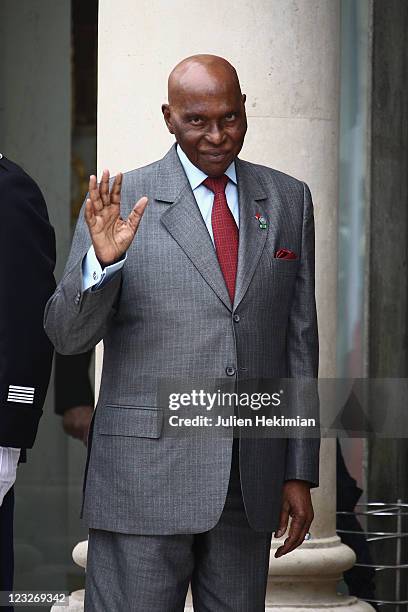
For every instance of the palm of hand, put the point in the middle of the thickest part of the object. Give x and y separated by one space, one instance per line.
111 235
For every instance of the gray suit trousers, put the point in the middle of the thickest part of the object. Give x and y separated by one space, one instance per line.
227 566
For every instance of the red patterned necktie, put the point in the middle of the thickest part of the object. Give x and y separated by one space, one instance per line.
225 232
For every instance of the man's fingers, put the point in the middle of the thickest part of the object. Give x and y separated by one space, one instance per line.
94 193
294 539
283 521
116 188
306 528
303 534
137 213
89 213
104 188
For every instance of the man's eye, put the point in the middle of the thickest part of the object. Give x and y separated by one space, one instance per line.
230 117
196 120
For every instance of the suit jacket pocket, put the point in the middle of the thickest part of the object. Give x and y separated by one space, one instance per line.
287 264
284 268
280 264
135 421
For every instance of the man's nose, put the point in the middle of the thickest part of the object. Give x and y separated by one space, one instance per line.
215 135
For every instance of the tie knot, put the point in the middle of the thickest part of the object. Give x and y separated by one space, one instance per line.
216 185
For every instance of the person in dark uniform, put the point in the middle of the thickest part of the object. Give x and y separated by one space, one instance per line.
27 256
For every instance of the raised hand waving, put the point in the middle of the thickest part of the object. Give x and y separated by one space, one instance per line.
111 235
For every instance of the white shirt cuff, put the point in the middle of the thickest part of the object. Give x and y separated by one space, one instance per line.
9 457
92 273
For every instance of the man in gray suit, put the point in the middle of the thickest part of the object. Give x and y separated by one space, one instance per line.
213 278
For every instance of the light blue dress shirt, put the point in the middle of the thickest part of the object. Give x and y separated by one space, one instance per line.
92 273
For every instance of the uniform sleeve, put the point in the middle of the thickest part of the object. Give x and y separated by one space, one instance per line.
27 259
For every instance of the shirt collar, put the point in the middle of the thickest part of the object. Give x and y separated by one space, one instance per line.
195 175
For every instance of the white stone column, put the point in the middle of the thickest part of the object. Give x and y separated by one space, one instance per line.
287 56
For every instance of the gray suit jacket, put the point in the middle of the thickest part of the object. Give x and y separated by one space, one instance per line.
167 314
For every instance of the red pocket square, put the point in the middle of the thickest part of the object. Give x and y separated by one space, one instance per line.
285 254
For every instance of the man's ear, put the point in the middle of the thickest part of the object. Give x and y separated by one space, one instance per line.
167 117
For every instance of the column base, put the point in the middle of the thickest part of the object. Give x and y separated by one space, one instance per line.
307 578
348 604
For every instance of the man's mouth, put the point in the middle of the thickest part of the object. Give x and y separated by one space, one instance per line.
215 155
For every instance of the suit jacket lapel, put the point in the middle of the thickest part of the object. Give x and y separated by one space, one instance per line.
251 237
185 223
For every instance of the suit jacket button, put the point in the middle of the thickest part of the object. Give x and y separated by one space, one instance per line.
236 318
230 371
77 298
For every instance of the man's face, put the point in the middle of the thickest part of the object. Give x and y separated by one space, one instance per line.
209 122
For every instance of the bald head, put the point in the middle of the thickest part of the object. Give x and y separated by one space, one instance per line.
206 73
206 112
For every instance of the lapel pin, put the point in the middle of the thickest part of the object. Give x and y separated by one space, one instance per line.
262 221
